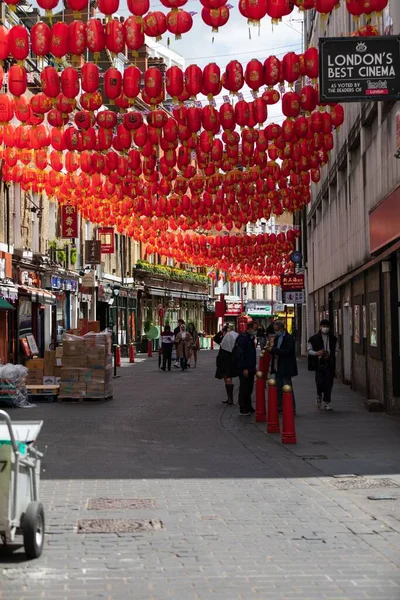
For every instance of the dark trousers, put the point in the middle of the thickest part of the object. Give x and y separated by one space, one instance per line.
324 381
167 357
246 390
280 382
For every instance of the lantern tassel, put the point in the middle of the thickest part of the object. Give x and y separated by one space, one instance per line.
49 16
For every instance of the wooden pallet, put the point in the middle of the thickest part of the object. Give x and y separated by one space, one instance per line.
86 399
44 393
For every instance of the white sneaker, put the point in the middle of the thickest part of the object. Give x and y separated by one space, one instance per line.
318 402
328 406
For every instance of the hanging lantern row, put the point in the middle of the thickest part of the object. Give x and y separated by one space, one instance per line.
182 85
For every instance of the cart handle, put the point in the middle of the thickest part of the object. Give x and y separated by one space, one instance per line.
4 416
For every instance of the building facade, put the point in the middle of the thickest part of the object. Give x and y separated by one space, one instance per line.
353 235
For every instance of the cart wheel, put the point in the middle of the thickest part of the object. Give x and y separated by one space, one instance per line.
33 530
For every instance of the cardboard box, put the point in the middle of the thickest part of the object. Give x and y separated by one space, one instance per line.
35 363
49 362
69 375
83 326
94 326
34 377
49 380
58 380
76 361
72 390
74 348
59 351
57 371
85 375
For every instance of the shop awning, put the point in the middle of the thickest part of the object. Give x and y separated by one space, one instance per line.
176 294
38 294
258 314
8 291
4 305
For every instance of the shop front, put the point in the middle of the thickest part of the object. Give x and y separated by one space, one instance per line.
259 310
116 310
34 310
65 312
8 302
233 311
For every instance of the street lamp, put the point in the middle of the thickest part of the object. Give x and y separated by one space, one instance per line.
116 294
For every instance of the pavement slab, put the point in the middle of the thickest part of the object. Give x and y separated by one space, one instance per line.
243 517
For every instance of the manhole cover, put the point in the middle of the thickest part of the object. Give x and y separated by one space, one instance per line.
118 525
120 503
315 457
363 483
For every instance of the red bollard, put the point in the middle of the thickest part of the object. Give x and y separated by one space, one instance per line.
131 353
118 356
273 414
266 363
261 414
149 348
288 427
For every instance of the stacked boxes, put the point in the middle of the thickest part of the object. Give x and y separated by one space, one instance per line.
35 368
86 366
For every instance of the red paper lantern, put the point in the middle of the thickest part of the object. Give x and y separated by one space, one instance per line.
112 83
242 113
325 6
115 41
155 24
65 105
47 6
227 116
6 108
40 103
40 39
234 79
138 7
253 10
70 82
90 77
272 71
179 22
215 17
153 84
131 82
56 119
193 80
84 119
290 67
355 7
17 80
19 42
50 82
271 96
260 111
107 119
91 101
76 38
4 43
291 104
133 120
277 9
59 40
133 34
95 37
77 7
308 98
174 82
311 63
337 115
254 74
22 109
108 7
211 80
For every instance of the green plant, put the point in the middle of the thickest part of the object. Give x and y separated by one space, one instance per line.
173 273
73 256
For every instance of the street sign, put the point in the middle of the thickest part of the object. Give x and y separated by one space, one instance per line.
93 252
291 283
359 69
293 297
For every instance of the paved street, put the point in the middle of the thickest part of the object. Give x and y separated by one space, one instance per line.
232 513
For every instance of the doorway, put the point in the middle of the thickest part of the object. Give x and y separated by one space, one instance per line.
347 344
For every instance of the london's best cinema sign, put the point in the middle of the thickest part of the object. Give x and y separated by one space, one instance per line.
354 69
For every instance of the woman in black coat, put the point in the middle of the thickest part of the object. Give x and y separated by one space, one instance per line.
284 362
226 366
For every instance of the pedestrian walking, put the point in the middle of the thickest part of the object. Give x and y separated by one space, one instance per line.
246 358
167 344
226 364
322 352
176 331
196 342
284 362
261 335
184 343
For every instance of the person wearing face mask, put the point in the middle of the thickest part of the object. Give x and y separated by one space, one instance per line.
246 358
284 362
322 352
184 344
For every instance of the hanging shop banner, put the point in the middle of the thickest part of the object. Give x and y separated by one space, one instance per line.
292 283
93 252
359 69
106 237
69 221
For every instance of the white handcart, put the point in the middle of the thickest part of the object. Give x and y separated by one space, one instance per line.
20 509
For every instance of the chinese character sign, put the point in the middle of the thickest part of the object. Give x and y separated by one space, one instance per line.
93 252
69 221
106 237
291 283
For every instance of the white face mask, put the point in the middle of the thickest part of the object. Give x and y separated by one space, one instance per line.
325 330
